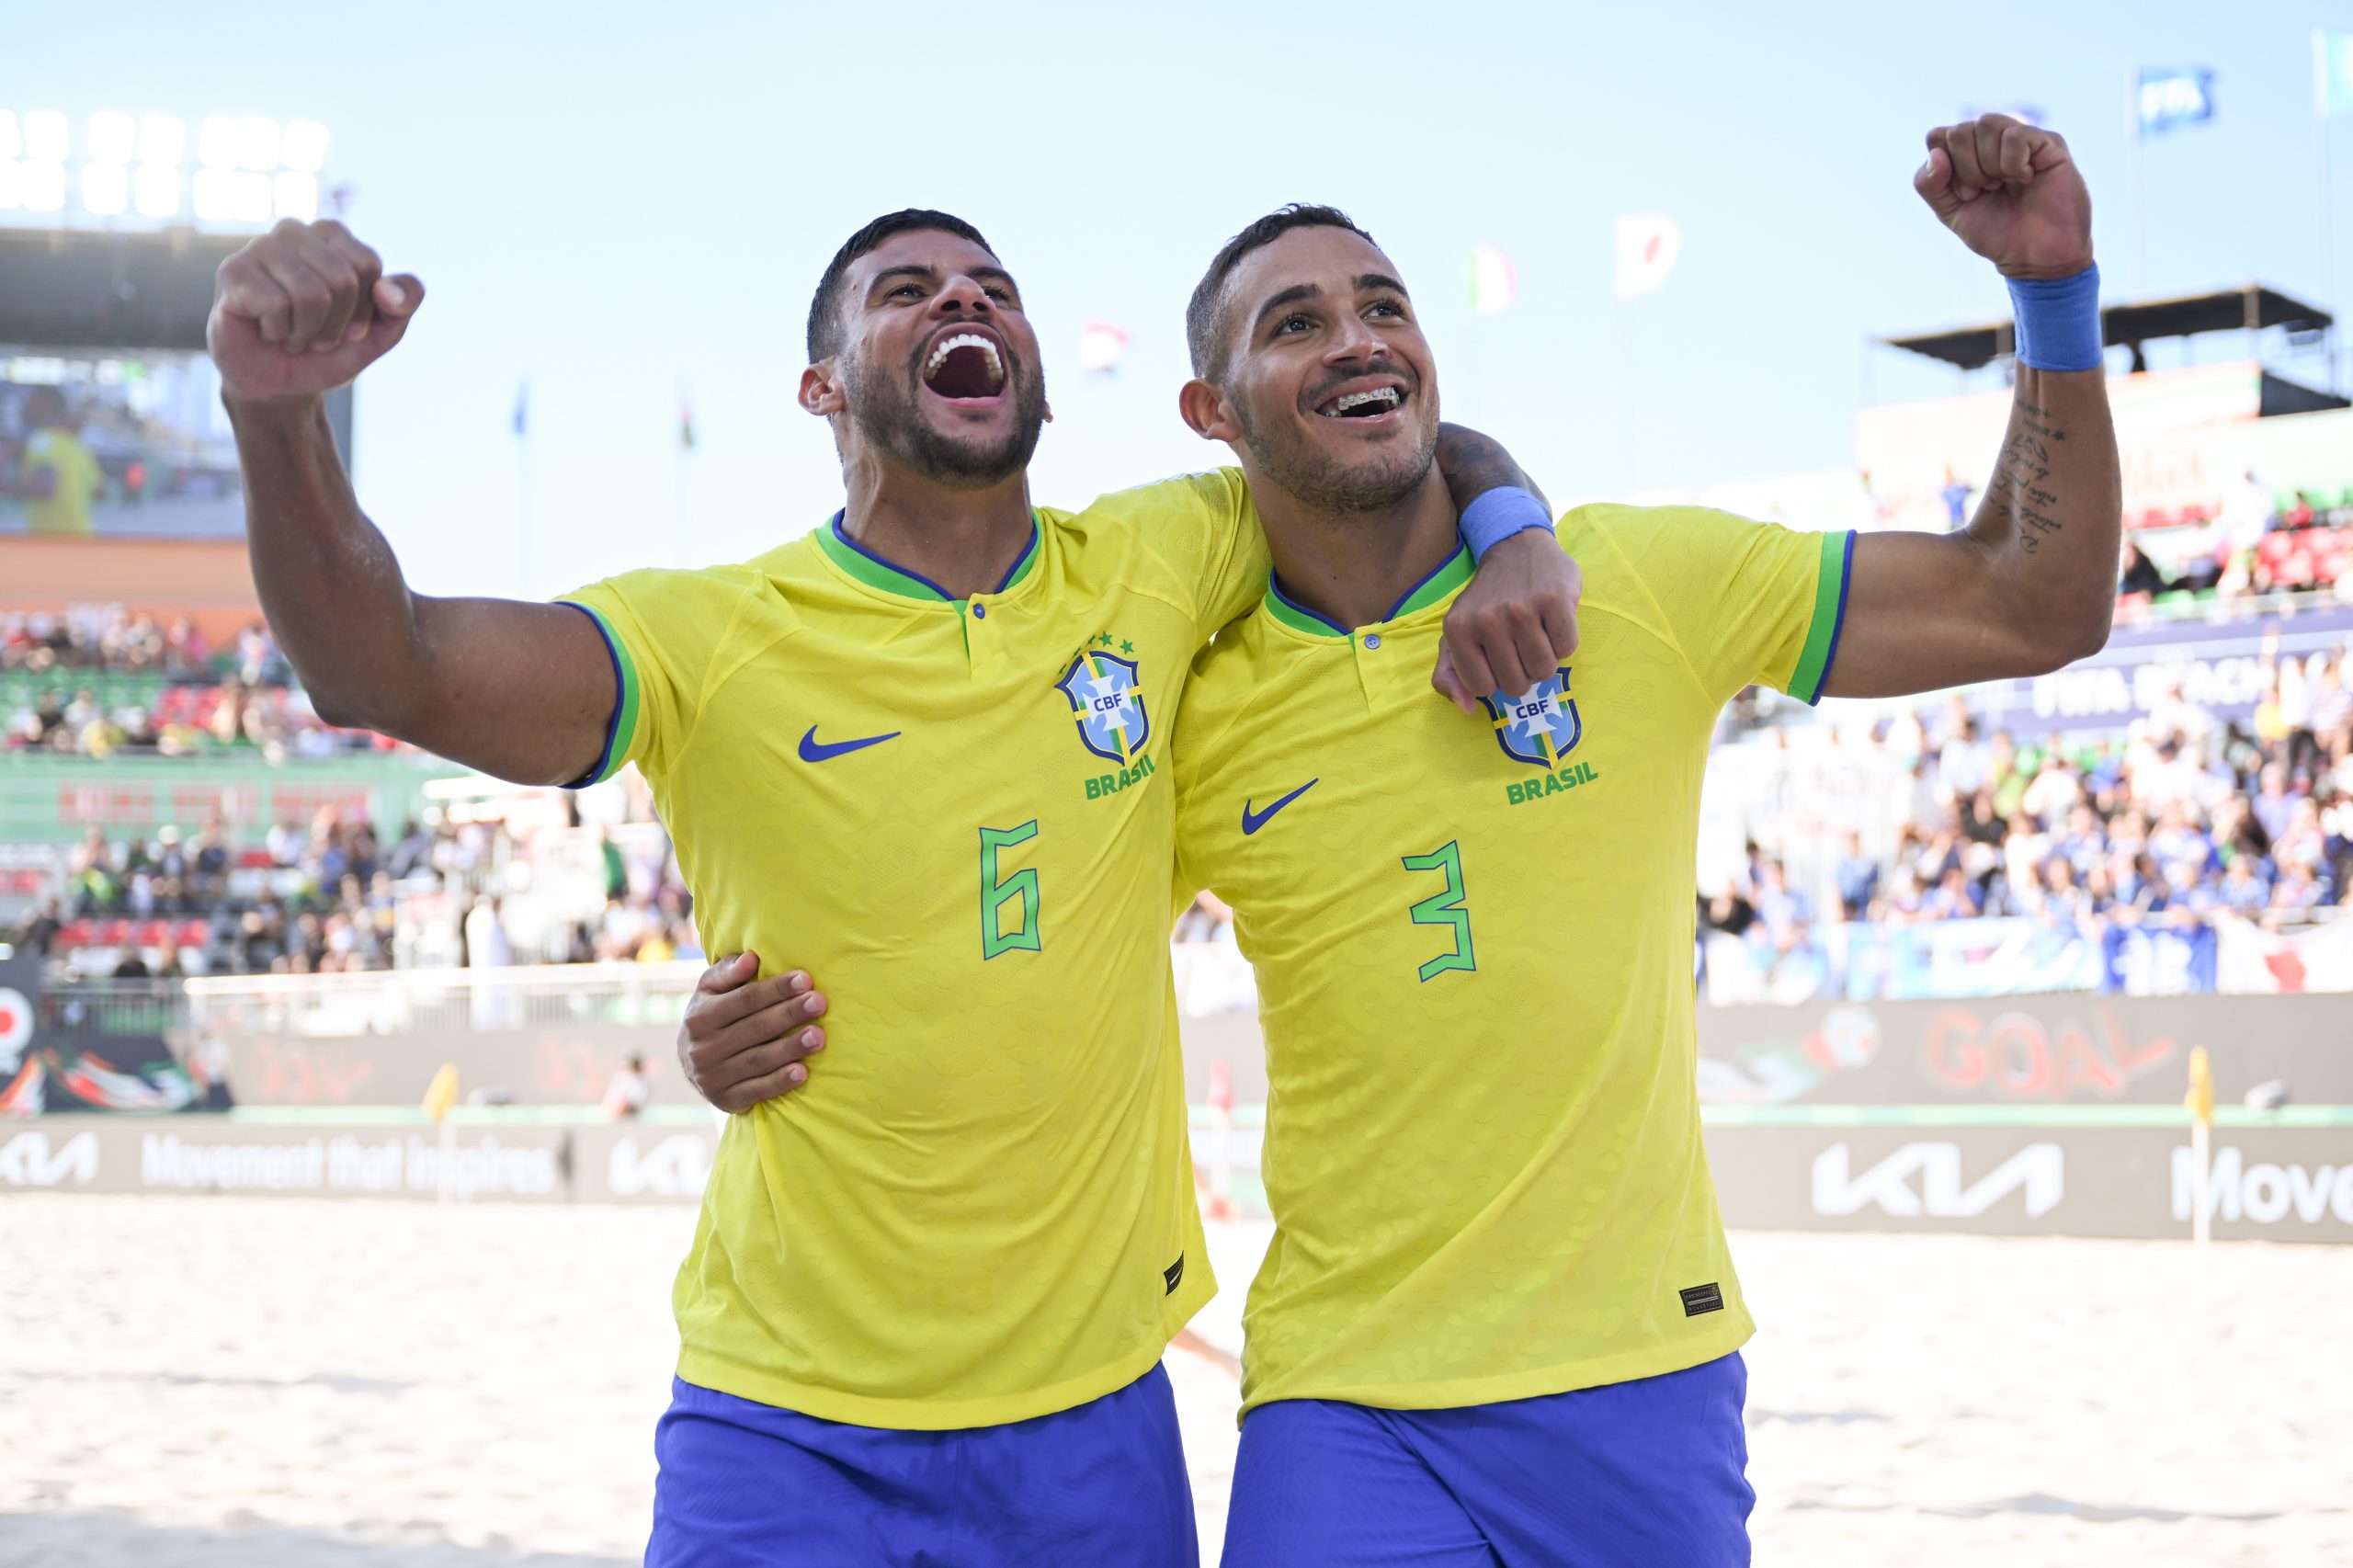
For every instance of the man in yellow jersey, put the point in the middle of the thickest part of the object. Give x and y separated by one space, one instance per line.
923 747
1498 1321
56 474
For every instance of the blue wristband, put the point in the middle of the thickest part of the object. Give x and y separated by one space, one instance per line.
1494 516
2058 321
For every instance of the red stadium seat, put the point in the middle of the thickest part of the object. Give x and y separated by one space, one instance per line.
255 861
77 934
113 934
193 934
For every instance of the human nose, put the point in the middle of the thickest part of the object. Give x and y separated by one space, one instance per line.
963 296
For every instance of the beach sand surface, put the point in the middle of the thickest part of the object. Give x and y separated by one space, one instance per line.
300 1384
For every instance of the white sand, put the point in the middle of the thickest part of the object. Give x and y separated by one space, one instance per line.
271 1383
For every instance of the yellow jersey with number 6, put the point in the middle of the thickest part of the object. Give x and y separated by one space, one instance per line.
956 815
1474 944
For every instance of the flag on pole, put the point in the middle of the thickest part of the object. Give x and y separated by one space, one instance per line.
442 1092
686 425
2200 1098
1648 244
2175 95
2332 74
1101 345
1495 282
522 408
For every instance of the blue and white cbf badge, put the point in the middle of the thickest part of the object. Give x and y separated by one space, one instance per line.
1539 726
1106 697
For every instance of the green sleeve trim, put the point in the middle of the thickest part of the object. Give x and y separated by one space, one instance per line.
621 730
1829 617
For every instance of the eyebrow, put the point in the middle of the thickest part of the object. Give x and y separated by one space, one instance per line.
1365 282
929 273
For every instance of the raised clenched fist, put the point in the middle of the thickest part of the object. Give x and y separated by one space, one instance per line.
303 310
2013 194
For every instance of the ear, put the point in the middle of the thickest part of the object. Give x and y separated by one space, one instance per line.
821 388
1202 407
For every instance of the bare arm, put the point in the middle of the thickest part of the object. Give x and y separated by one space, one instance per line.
523 691
1517 621
1474 464
2030 583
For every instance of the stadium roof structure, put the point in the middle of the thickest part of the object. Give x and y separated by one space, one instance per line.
2252 308
78 288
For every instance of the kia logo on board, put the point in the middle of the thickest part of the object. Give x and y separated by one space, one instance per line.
2040 1169
27 1160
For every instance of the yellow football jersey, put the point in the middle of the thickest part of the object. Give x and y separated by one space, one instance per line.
958 815
1473 943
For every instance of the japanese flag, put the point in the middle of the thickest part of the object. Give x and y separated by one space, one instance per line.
1648 244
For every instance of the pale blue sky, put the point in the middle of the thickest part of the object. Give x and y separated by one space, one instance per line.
617 202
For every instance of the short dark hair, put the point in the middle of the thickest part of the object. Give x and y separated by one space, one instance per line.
1205 316
825 307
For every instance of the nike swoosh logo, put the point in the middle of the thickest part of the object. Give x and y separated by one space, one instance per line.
1253 821
814 750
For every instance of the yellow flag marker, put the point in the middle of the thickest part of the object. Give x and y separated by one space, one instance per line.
2199 1102
442 1092
2200 1098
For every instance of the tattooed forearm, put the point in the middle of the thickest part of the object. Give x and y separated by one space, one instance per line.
2019 487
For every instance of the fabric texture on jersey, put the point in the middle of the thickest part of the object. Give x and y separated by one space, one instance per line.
1472 940
975 1214
1643 1474
746 1485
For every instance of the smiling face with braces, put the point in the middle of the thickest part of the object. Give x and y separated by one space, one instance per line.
1329 377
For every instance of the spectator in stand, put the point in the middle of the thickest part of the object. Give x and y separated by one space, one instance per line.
626 1096
54 474
2137 577
1953 898
2245 892
1955 495
38 935
1857 875
1964 764
2273 805
2054 793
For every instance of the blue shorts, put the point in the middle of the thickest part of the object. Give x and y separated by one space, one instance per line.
744 1483
1641 1474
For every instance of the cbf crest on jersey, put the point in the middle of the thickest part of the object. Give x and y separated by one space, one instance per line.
1539 726
1107 698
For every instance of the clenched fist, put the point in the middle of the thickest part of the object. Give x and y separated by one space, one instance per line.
2012 193
303 310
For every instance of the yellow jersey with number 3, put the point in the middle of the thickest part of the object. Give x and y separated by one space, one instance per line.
956 814
1474 944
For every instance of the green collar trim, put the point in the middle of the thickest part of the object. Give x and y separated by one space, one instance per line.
876 572
1449 578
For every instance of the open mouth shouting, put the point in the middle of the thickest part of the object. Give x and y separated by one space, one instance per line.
1364 398
965 366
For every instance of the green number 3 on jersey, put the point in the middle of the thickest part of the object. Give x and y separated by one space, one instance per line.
1444 908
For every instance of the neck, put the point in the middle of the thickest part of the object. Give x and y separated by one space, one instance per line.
1353 567
965 540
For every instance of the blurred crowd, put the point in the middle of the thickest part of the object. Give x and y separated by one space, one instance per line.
2178 818
333 898
2255 542
92 686
121 643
